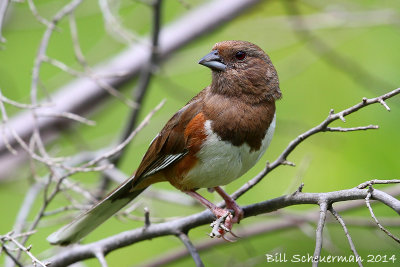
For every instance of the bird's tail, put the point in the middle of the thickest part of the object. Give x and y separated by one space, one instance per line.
91 219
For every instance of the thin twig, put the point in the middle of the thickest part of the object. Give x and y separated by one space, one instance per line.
26 207
11 256
21 247
319 237
4 119
35 13
376 181
22 105
367 198
89 74
146 217
123 144
140 89
67 115
192 250
340 129
113 25
36 136
100 257
282 159
49 197
346 232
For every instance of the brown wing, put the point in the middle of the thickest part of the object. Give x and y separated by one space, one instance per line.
170 144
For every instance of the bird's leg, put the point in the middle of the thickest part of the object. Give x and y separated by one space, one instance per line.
231 204
220 213
217 211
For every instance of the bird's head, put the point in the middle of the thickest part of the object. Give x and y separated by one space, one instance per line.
241 68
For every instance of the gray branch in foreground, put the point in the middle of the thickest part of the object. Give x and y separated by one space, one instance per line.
131 61
323 208
287 220
346 232
367 202
81 252
184 225
192 250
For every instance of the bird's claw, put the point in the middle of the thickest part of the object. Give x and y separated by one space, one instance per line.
221 226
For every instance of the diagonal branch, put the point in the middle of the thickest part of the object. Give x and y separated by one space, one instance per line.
346 232
323 126
192 250
367 202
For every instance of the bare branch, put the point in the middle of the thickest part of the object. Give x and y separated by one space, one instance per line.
376 181
3 8
89 73
21 105
294 220
67 115
367 198
34 11
282 159
384 104
4 119
346 232
386 199
114 26
360 128
192 250
323 207
122 145
146 217
140 89
9 237
11 257
26 207
81 252
130 61
100 257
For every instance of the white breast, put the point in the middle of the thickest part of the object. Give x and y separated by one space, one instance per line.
220 162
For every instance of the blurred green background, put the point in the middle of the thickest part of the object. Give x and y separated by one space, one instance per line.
364 61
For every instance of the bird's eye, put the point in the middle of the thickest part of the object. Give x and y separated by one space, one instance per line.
240 55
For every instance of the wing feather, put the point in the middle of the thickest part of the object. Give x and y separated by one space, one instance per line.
170 145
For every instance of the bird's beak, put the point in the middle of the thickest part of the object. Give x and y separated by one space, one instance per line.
213 61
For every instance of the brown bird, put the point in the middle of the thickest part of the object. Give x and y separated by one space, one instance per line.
214 139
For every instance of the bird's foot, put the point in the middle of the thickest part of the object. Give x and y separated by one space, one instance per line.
225 219
218 226
223 224
231 205
239 213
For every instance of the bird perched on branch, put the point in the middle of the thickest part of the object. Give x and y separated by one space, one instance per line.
214 139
